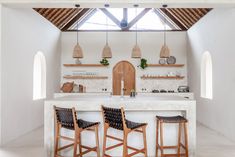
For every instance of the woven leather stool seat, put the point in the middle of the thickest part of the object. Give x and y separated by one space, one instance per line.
133 125
65 117
85 124
174 119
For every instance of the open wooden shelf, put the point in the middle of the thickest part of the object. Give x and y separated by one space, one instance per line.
165 65
85 65
162 77
85 77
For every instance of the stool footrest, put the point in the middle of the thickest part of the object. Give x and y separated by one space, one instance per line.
137 151
114 138
66 146
172 155
106 155
114 146
87 151
171 147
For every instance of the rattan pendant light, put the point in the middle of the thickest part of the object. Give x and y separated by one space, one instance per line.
165 51
136 52
77 51
107 52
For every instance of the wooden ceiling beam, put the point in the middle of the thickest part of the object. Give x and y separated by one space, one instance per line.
204 10
65 18
86 17
73 13
59 17
77 17
194 17
198 10
187 16
194 13
51 13
184 16
162 17
56 15
171 13
137 18
41 10
180 17
37 9
45 14
174 19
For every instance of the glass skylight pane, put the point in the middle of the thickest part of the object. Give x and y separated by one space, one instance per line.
98 22
132 14
117 12
150 21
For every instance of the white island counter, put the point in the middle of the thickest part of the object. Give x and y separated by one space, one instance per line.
139 109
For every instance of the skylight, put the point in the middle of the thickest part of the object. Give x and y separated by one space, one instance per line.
98 22
150 21
111 18
118 13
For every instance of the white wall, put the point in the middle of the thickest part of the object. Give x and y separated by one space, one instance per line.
215 33
0 71
121 44
24 32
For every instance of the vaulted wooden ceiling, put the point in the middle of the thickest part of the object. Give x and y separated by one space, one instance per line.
64 18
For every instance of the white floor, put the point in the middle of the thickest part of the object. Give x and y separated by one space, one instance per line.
209 144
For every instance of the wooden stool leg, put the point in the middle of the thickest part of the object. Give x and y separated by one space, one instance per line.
179 140
145 141
125 151
80 144
97 141
186 139
157 134
75 144
161 139
56 140
104 139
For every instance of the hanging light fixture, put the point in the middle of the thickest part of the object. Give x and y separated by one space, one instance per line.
77 51
136 52
107 53
165 51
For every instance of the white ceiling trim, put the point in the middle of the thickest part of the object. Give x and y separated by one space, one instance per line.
119 3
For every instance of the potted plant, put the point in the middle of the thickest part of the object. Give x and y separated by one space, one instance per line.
143 63
104 61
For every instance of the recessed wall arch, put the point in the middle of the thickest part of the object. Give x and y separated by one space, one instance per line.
206 76
39 76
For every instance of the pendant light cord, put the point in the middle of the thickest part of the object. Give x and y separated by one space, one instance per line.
136 27
77 32
165 26
106 30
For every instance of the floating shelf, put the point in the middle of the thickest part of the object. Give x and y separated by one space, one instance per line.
85 77
162 77
165 65
84 65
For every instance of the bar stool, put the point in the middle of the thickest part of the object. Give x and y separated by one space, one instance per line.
67 118
175 119
115 118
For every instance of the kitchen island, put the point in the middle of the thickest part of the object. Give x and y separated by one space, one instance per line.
139 109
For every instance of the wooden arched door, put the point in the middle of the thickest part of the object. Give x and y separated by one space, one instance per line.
125 70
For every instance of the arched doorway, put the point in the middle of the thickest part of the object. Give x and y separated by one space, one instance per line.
126 71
